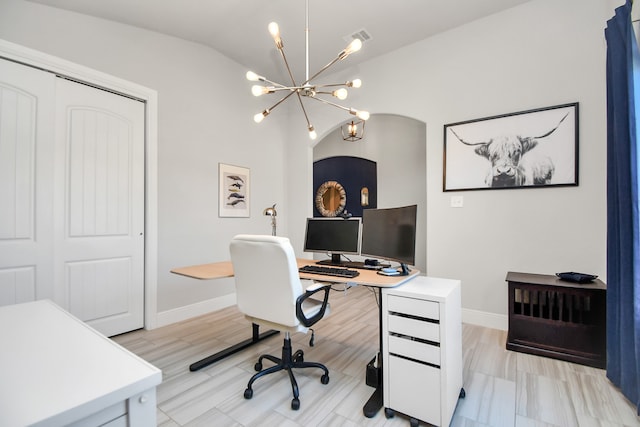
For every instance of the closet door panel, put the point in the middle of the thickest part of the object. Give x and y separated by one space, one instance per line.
99 200
26 176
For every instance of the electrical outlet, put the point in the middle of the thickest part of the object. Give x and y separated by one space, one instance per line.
457 201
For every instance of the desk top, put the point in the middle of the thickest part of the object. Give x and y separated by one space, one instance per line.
57 370
219 270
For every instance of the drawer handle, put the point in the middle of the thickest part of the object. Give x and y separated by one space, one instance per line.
411 316
410 338
410 359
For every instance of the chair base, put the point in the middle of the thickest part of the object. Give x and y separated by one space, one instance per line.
287 362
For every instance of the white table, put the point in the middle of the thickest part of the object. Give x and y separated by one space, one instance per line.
55 370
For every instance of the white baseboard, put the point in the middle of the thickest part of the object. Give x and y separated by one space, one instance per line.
193 310
486 319
474 317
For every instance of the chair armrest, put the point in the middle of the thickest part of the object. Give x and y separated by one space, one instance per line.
308 321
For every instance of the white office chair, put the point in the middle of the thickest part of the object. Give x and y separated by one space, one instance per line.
270 294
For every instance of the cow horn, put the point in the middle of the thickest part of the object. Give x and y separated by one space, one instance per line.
552 130
465 142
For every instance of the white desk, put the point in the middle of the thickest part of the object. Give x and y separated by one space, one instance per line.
55 370
366 277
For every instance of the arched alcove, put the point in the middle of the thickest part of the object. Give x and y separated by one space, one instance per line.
397 145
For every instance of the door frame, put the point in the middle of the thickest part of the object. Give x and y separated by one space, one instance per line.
82 74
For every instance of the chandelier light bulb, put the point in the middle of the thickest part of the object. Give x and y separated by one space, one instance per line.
312 133
355 83
274 30
353 47
260 116
364 115
252 77
341 93
257 90
353 129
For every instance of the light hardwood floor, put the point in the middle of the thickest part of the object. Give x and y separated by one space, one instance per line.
503 388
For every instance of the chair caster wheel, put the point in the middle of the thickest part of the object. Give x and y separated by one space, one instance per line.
295 404
462 394
248 393
389 413
414 423
324 379
298 356
258 367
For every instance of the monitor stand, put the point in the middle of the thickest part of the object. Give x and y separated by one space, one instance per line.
336 261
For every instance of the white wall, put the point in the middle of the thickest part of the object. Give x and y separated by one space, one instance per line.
205 117
542 53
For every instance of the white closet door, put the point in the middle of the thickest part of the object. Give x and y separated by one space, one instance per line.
26 183
99 207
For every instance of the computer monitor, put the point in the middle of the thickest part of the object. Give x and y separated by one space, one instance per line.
390 234
334 236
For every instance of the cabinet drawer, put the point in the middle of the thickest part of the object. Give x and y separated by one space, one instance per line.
414 389
414 307
415 350
414 328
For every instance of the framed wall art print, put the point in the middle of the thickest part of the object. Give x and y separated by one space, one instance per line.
233 193
529 149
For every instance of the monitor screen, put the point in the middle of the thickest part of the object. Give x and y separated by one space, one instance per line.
333 236
390 234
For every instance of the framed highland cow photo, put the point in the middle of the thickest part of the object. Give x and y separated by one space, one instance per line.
528 149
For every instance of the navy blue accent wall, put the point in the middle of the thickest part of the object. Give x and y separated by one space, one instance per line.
353 173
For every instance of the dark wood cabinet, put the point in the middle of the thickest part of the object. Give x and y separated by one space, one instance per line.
559 319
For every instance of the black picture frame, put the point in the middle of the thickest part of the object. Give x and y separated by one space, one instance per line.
528 149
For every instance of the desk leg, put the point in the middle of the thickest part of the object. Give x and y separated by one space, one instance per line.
257 337
376 401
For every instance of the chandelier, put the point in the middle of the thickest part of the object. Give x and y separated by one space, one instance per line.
353 131
307 89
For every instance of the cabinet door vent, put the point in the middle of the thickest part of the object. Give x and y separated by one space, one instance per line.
564 305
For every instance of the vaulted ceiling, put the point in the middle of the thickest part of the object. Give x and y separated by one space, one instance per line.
238 28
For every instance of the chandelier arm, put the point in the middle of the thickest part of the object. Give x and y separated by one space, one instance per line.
281 100
304 111
277 85
286 64
332 85
321 70
291 88
324 101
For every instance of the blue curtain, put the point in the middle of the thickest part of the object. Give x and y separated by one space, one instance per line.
623 244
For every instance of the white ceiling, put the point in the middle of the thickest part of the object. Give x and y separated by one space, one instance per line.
238 28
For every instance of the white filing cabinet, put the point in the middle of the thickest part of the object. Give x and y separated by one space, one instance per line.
422 349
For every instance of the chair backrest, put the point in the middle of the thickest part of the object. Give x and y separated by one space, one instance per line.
267 277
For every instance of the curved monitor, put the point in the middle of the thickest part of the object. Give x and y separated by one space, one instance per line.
390 234
335 236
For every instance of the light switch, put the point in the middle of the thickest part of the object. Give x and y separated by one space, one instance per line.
457 201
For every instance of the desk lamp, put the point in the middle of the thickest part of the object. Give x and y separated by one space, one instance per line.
272 213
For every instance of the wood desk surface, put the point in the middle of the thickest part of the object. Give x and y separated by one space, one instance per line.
219 270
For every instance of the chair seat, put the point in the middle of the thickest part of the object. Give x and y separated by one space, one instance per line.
310 307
